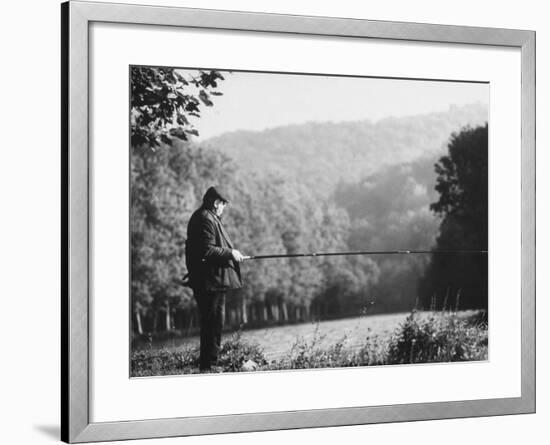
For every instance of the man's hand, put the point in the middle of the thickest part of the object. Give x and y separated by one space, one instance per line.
237 256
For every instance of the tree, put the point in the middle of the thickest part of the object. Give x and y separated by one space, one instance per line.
162 99
462 183
166 186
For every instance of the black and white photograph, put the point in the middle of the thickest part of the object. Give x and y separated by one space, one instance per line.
284 221
275 222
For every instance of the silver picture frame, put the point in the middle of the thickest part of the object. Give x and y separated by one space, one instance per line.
75 197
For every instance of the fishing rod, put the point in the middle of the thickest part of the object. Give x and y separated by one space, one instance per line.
185 282
363 252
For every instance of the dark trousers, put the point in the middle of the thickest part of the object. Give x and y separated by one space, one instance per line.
212 313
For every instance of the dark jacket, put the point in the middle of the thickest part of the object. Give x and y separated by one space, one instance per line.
208 254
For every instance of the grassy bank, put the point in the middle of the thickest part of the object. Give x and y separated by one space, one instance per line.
420 338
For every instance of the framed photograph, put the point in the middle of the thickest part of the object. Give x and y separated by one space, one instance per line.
275 222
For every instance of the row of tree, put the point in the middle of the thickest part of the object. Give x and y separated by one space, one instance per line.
270 215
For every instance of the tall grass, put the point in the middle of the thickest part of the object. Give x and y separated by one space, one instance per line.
421 338
233 354
438 337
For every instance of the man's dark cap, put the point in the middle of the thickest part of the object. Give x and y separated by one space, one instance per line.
213 193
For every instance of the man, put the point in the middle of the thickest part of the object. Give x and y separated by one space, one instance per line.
213 268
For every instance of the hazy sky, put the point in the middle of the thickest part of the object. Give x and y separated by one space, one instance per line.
256 101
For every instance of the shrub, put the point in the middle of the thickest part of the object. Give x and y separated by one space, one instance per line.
373 352
234 352
422 338
441 337
164 362
304 355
